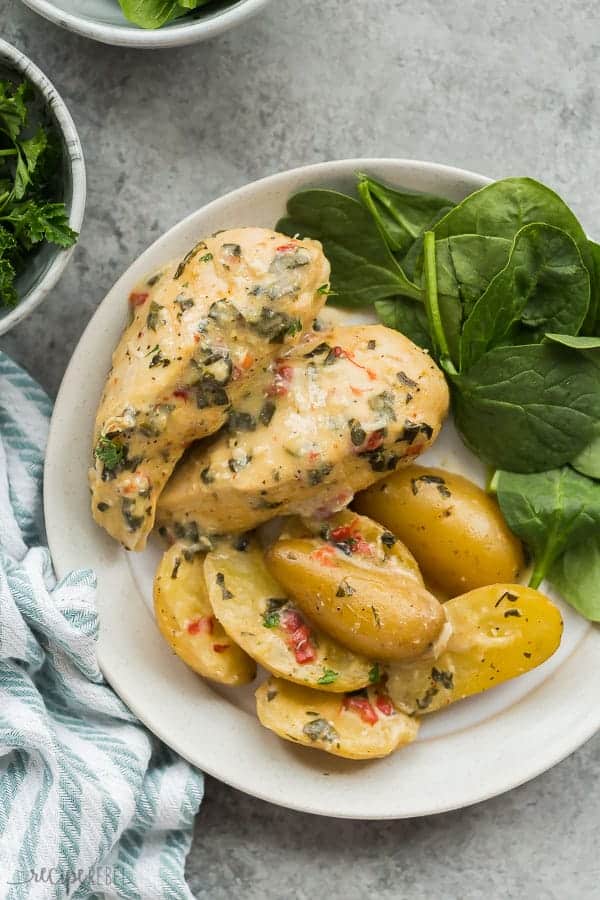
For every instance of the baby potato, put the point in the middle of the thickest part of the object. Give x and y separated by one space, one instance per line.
361 585
454 529
498 632
255 611
187 622
360 727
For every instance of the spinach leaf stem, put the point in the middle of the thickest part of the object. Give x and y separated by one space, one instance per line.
432 303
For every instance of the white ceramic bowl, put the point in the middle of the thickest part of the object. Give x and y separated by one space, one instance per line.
45 267
102 20
466 753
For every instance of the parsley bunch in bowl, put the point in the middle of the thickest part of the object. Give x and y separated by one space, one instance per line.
30 167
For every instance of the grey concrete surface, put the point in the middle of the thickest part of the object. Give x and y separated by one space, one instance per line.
498 86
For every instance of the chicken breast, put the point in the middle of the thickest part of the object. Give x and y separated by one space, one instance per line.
202 330
341 410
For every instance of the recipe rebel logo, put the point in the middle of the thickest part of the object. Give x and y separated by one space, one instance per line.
91 878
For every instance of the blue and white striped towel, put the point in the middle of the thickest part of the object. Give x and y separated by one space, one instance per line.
91 805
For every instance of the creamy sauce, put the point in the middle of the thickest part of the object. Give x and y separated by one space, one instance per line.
339 411
202 330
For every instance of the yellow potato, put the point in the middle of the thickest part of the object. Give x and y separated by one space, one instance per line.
255 612
360 585
454 529
187 622
498 632
358 727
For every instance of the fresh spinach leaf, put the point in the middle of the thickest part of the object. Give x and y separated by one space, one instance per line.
363 268
528 408
402 216
576 575
502 208
588 461
592 260
465 265
543 286
575 342
407 316
413 257
550 511
156 13
437 325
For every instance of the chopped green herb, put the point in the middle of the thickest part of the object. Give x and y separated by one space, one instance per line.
430 479
30 182
321 730
266 412
316 476
188 256
358 435
374 674
328 677
271 614
110 452
446 679
220 579
241 421
153 317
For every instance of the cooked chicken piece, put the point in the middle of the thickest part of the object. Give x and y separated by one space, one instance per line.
341 410
202 330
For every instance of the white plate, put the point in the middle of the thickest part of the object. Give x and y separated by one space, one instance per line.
102 20
472 751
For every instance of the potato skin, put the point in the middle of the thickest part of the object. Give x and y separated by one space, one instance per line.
186 621
318 720
251 606
373 603
454 529
498 632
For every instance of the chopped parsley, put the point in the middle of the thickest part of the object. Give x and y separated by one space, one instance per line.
110 452
153 318
320 730
374 674
328 676
271 614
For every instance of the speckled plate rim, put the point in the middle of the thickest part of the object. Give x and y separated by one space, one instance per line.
176 35
442 773
14 59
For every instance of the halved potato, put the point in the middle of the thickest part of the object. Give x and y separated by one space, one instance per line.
356 727
255 611
362 586
187 622
498 632
455 530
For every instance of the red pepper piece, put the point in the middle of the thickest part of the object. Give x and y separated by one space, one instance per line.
202 625
299 636
384 705
363 707
220 648
281 383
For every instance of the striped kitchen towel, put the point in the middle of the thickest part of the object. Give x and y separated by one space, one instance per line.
91 805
